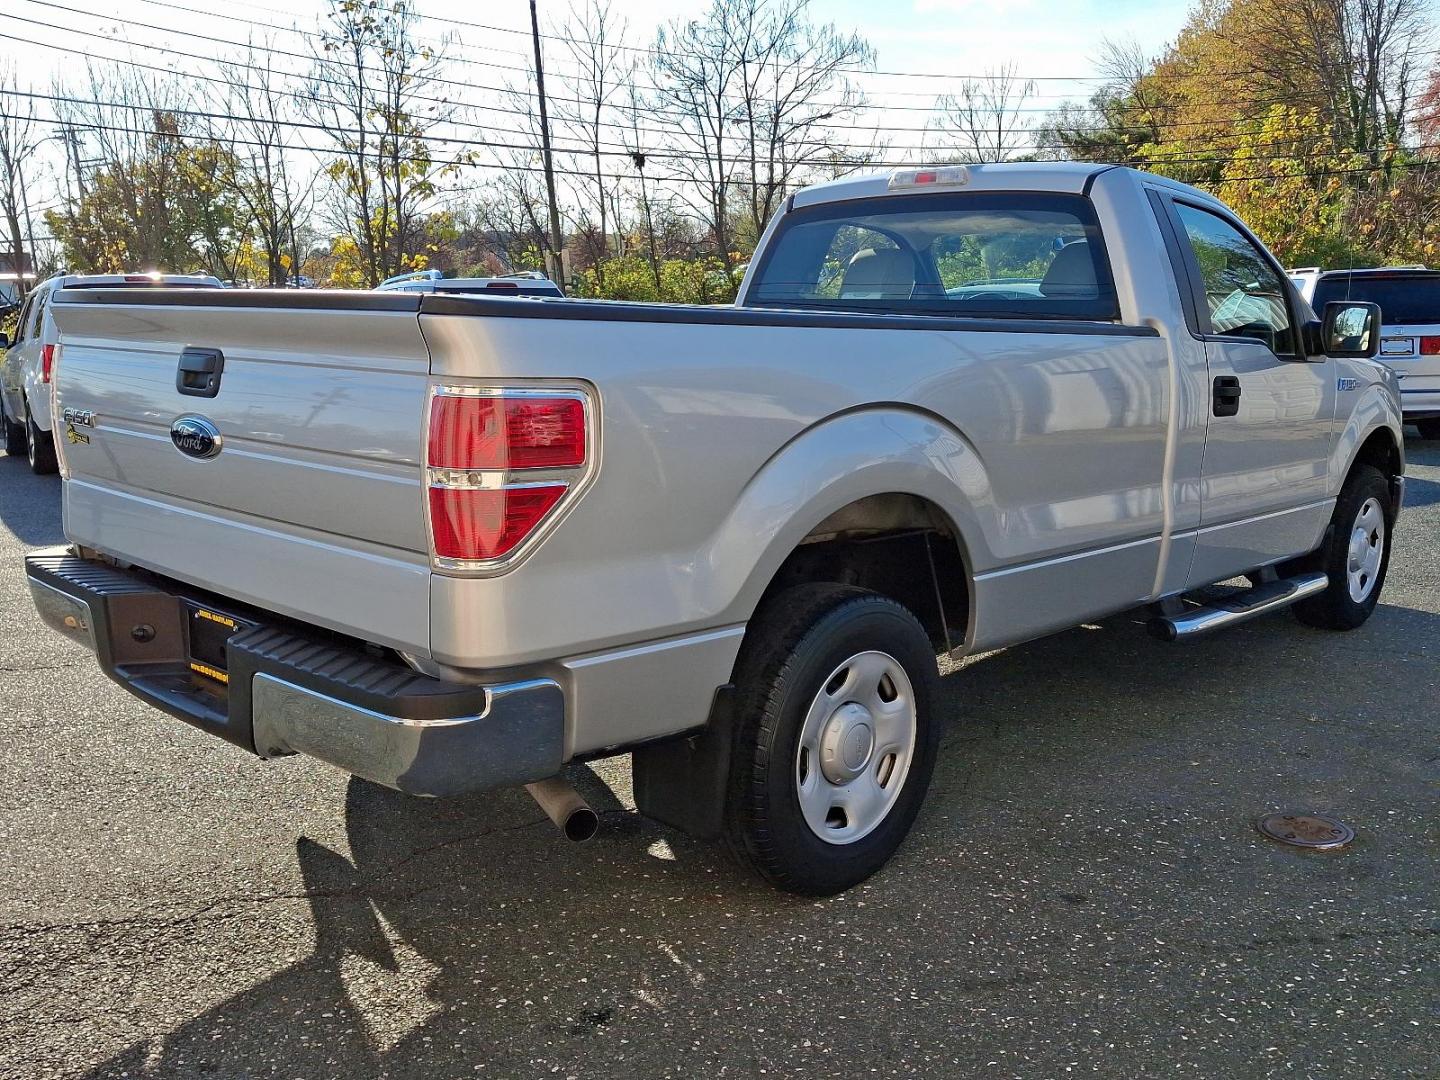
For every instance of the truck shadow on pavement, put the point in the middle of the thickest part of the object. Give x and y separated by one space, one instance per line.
29 504
464 934
1421 492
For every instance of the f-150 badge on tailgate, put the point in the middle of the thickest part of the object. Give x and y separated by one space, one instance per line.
196 437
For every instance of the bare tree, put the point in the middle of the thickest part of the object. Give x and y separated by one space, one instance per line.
272 188
748 89
986 119
636 141
603 68
19 139
696 74
795 94
1126 67
386 163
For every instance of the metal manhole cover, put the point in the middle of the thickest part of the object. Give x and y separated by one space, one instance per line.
1306 830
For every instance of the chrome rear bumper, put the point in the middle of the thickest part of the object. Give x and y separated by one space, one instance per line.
284 690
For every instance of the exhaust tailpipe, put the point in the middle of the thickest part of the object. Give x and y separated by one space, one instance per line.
564 806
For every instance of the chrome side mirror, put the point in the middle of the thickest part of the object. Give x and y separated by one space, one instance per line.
1351 329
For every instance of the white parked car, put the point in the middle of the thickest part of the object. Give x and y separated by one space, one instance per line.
1409 299
432 281
30 358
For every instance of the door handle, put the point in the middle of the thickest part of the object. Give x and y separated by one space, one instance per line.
1226 401
198 374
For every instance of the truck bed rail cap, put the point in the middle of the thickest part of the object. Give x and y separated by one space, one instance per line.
309 299
731 315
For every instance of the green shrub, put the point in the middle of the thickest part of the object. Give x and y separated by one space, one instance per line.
682 281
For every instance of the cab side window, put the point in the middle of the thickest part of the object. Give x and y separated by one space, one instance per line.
1246 296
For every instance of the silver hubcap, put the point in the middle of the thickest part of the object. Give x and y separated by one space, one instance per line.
855 747
1367 548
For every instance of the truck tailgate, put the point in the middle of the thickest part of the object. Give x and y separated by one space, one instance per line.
312 505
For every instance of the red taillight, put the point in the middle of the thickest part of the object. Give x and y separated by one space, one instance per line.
47 362
487 523
498 463
499 433
1430 346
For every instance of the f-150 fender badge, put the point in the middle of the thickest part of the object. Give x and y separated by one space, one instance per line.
78 417
196 437
1347 384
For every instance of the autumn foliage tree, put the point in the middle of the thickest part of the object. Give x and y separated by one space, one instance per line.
1308 116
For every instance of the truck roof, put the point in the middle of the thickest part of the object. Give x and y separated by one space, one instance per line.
1062 176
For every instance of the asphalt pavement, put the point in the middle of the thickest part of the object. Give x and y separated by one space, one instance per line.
1084 894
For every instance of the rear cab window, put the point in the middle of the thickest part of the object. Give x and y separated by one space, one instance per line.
982 254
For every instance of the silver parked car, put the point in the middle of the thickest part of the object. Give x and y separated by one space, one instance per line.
30 358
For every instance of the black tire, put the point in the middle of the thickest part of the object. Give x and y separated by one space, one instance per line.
40 449
793 646
1429 428
14 437
1335 608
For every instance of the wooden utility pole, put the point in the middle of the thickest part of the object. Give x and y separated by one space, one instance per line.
556 266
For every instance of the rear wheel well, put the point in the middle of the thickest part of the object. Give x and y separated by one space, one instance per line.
899 545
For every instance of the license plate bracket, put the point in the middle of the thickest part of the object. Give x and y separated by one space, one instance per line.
209 632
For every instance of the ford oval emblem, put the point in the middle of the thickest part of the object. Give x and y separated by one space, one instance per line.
196 437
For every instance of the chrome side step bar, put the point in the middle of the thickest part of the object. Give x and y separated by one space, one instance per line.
1270 596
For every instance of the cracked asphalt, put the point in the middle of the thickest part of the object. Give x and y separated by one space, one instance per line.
1085 893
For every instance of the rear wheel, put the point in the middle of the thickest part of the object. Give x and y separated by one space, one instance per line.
1429 428
1356 554
835 739
39 449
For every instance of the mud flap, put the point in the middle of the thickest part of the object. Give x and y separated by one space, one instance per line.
683 783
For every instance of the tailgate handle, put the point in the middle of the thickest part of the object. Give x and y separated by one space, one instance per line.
199 372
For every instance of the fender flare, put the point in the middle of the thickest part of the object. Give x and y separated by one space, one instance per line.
1376 410
875 450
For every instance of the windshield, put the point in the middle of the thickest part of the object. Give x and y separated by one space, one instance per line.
991 254
1404 299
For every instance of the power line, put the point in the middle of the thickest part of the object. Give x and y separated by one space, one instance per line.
231 140
657 112
988 76
844 106
610 146
1138 162
1151 159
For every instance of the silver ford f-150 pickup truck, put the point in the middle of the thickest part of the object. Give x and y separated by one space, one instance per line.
452 543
